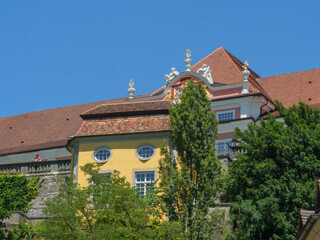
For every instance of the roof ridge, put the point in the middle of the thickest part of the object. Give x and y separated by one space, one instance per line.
289 73
122 103
229 57
49 109
81 104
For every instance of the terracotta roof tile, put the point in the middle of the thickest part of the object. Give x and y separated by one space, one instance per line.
294 87
128 109
227 69
125 125
43 129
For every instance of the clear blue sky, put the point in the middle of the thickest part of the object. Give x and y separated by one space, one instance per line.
61 53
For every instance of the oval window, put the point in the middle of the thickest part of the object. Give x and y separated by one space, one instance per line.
101 154
145 152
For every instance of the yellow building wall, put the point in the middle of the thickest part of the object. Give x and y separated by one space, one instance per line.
314 233
123 157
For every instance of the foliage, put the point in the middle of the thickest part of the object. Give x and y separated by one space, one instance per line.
109 208
188 182
16 191
24 231
276 176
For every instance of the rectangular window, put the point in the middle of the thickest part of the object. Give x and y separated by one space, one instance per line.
225 116
143 181
106 173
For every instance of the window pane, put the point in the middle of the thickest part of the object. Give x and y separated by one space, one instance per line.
145 152
143 181
225 116
102 154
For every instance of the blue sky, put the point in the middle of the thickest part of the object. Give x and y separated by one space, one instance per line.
61 53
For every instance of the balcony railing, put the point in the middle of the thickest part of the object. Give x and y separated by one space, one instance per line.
225 150
34 168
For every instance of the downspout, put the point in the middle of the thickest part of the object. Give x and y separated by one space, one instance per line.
257 119
264 105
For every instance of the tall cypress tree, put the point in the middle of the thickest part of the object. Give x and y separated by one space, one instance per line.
188 181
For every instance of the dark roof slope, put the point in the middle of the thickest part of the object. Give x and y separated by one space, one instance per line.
128 109
291 88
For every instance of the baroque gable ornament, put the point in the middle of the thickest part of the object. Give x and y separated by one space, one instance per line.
206 71
170 76
177 92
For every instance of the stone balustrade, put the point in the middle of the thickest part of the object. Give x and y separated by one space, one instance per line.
36 168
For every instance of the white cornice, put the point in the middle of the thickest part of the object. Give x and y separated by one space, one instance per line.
230 126
211 87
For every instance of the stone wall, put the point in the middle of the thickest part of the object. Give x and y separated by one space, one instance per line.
49 188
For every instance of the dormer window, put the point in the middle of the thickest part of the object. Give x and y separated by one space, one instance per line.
225 116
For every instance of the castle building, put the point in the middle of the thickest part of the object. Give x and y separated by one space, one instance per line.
126 133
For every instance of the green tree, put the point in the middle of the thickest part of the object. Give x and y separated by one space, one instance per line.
15 194
188 182
276 176
109 208
24 231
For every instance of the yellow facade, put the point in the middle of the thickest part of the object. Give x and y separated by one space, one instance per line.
123 157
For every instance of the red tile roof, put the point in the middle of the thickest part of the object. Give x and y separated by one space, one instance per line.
125 125
42 129
294 87
227 69
128 109
50 128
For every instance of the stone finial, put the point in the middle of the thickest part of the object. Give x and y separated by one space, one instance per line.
245 65
131 90
188 61
245 72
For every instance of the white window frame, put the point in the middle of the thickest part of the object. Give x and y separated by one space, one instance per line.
225 112
144 145
98 149
148 170
102 172
105 172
